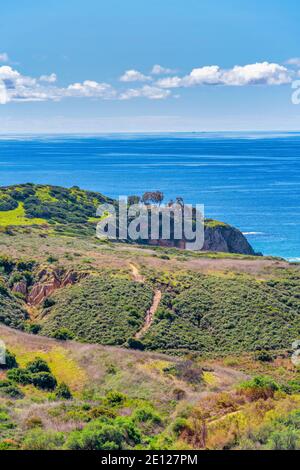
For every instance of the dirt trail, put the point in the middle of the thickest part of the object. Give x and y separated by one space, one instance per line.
150 314
137 276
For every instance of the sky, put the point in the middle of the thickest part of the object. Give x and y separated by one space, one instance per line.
99 66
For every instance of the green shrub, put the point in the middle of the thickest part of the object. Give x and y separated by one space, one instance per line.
44 381
20 376
263 356
259 387
115 398
38 439
9 389
146 414
63 334
117 435
37 365
33 328
63 392
48 302
135 344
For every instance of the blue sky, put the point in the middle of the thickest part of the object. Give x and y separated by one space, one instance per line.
87 66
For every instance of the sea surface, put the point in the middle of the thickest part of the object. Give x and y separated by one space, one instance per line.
250 180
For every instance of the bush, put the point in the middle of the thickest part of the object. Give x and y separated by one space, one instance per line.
37 365
135 344
33 328
48 302
63 392
259 387
63 334
20 376
9 389
38 439
146 414
115 398
44 381
10 361
263 356
117 435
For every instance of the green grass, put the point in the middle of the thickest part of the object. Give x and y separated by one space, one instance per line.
18 217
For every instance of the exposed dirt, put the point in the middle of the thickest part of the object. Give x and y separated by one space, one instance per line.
150 314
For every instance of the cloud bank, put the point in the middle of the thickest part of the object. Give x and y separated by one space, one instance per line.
16 87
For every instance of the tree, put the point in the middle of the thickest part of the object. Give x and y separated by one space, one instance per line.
133 200
155 197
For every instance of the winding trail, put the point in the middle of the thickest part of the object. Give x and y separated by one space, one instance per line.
150 314
138 277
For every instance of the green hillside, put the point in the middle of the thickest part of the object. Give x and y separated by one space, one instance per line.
103 309
226 313
30 204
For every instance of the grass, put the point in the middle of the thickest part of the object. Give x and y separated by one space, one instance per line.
18 217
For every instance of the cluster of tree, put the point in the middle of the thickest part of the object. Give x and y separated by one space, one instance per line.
154 197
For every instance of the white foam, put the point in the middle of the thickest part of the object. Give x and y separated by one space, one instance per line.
253 233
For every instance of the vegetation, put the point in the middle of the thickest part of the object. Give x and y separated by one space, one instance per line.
103 309
30 204
210 313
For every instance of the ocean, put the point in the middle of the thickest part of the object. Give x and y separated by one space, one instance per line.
250 180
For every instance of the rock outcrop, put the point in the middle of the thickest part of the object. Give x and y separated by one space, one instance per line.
50 280
218 237
227 239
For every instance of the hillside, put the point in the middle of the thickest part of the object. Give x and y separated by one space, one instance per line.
155 299
43 205
105 398
224 321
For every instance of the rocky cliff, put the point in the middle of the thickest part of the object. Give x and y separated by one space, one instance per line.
225 238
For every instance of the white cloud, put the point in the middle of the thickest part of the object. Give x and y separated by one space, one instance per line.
52 78
3 57
17 87
263 73
134 76
257 74
90 88
150 92
294 61
159 70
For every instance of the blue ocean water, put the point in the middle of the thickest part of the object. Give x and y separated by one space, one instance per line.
249 180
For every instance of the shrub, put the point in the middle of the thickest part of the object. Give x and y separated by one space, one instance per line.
9 389
44 381
180 424
38 439
20 376
33 422
37 365
10 361
135 344
63 392
63 334
33 328
263 356
48 302
259 387
115 398
117 435
146 414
